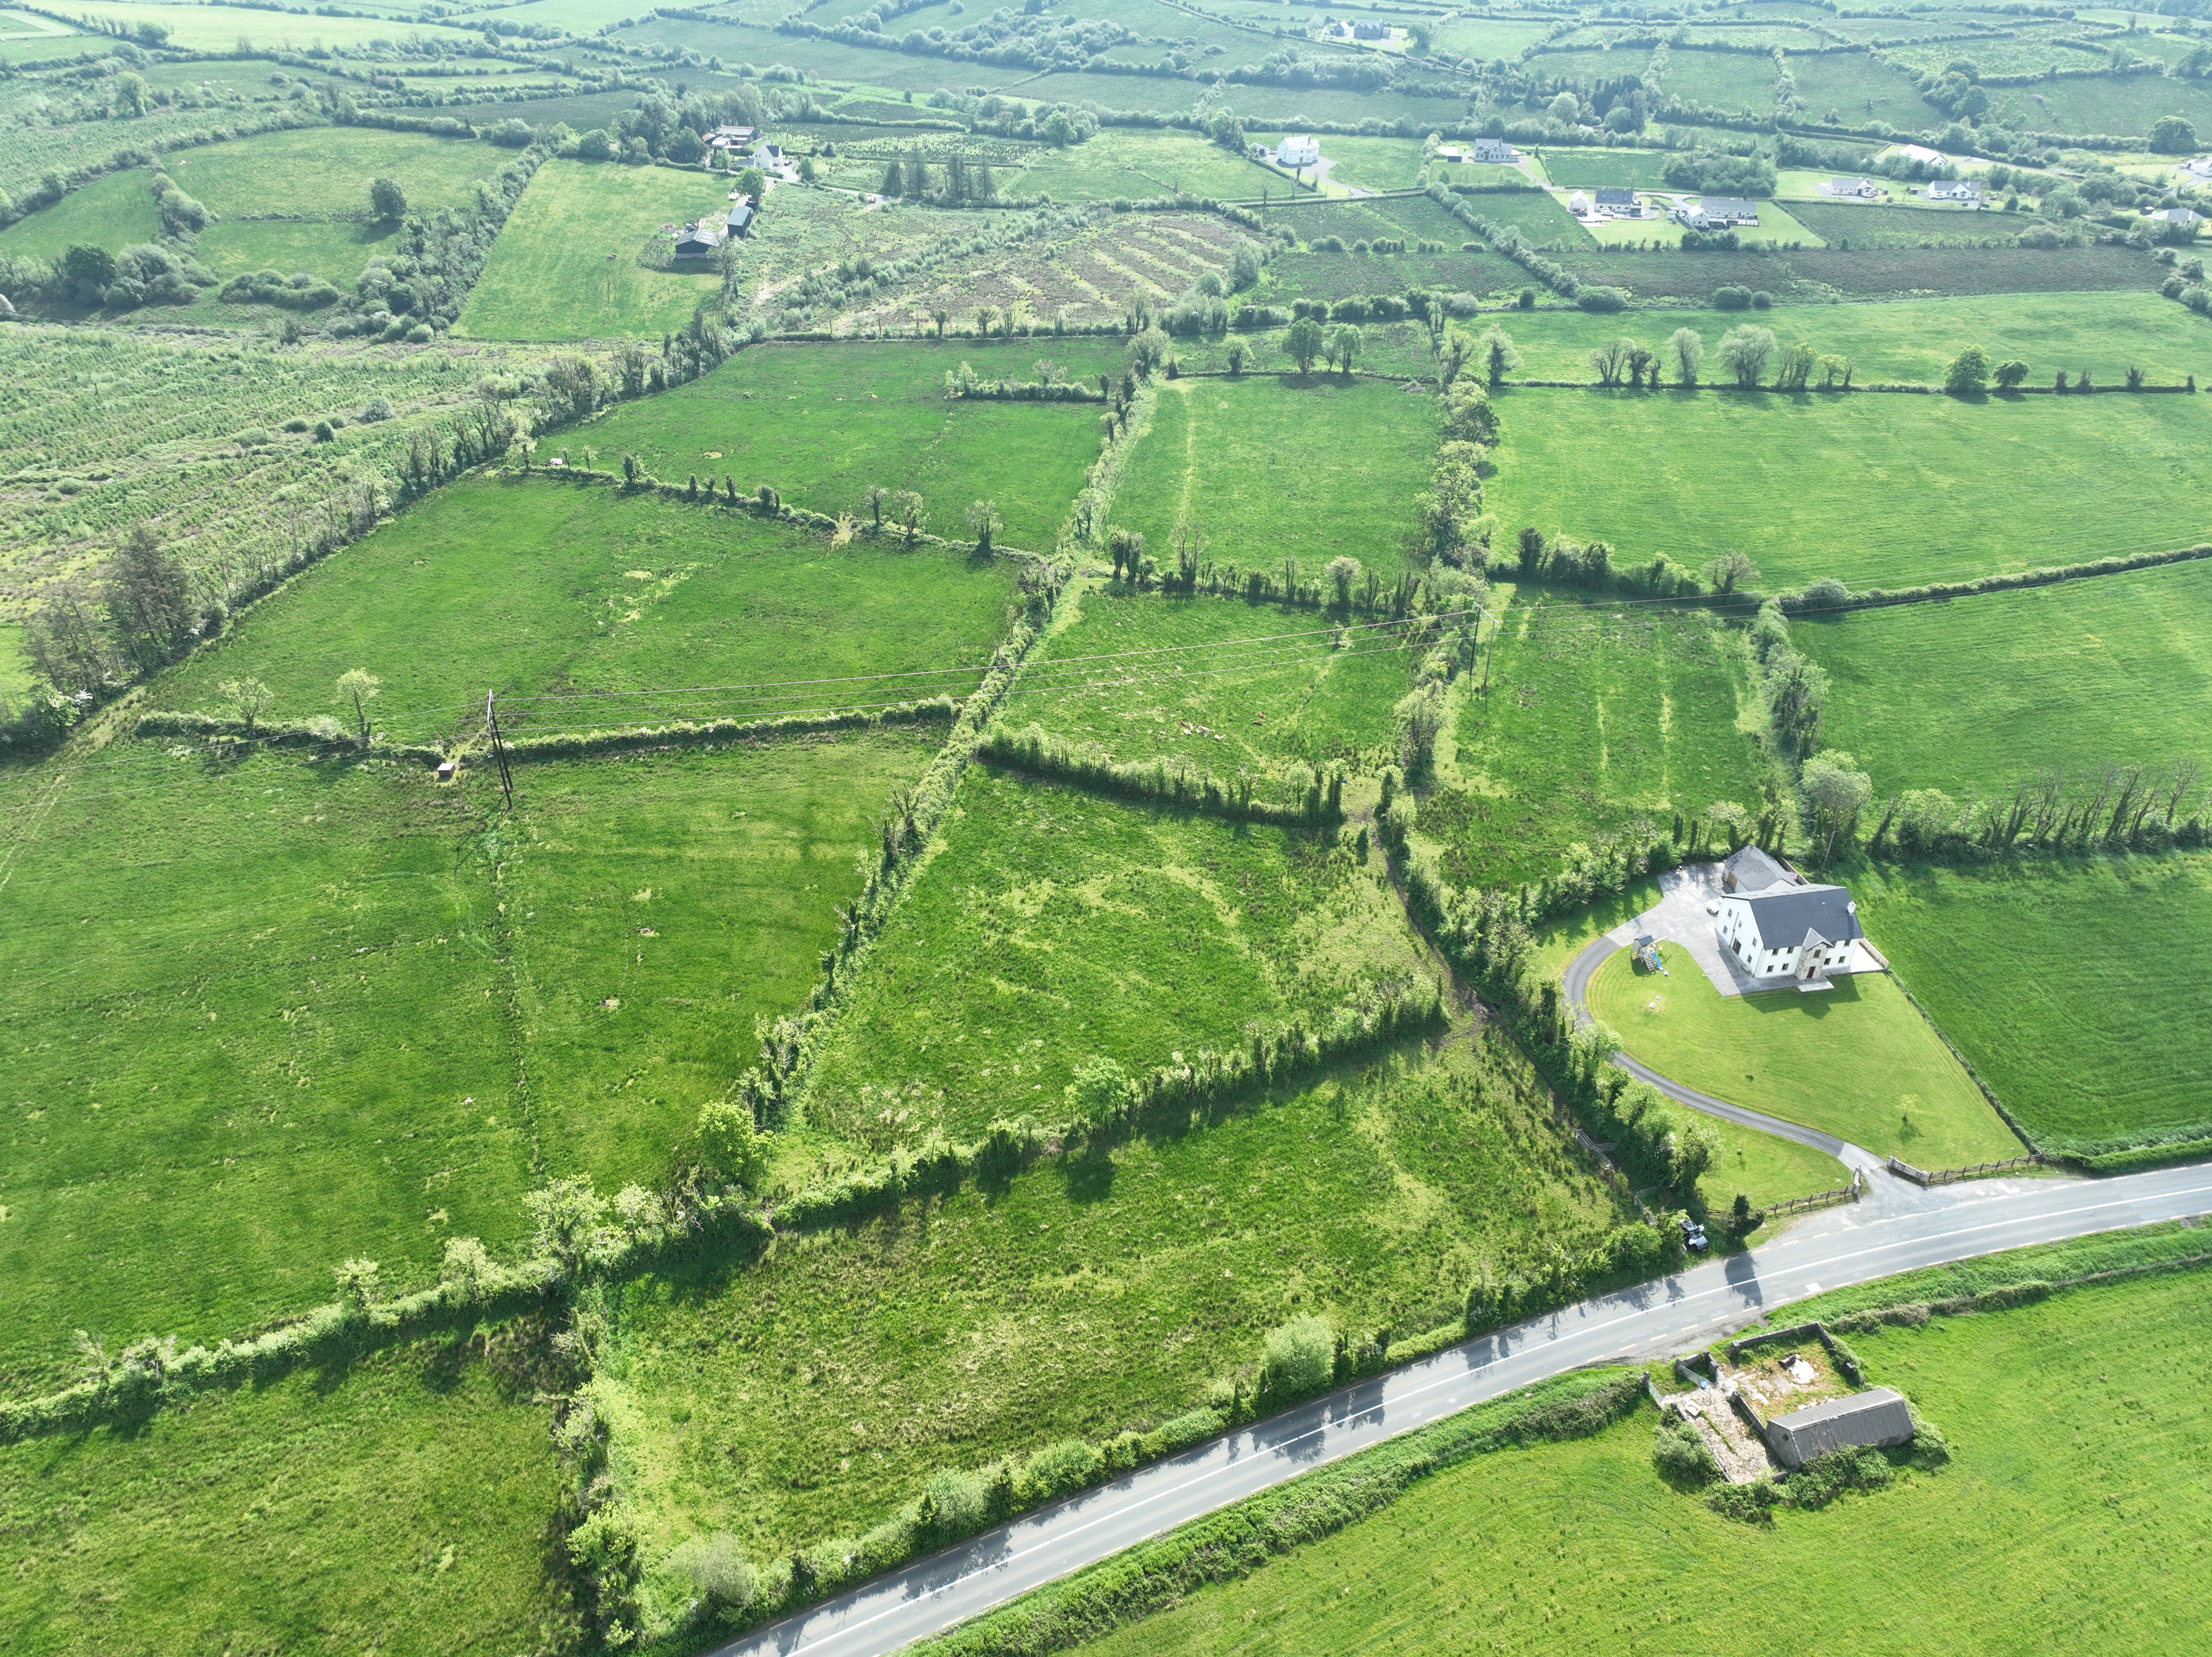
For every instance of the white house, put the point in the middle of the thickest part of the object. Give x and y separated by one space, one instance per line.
1579 204
1493 150
1865 189
1301 149
1779 925
1620 203
1922 153
1952 190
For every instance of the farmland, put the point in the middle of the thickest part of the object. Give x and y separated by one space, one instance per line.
325 171
2002 956
1857 1060
112 212
1511 1542
1827 276
616 597
1593 718
821 426
2069 677
213 29
1369 1193
1880 491
1056 926
1215 457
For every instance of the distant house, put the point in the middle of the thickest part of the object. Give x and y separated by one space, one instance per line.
1620 203
1719 211
767 155
1862 188
1579 204
1922 153
700 240
1302 150
1371 31
729 137
2177 215
1953 190
1496 151
1877 1417
1779 926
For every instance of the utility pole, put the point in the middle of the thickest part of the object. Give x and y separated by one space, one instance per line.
498 748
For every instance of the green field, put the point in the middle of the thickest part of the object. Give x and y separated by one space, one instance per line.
1247 464
1851 225
2054 979
215 29
335 253
1136 164
399 1504
1217 683
1595 716
1877 491
2102 334
114 212
804 1396
535 588
1580 1547
566 265
1372 163
822 426
1572 167
667 902
1053 925
324 170
1856 1060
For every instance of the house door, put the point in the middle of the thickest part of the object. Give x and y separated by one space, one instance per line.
1811 968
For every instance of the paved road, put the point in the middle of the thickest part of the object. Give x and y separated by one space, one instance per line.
1831 1249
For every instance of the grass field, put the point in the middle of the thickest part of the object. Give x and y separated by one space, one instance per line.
1887 491
325 170
1536 214
1248 685
1136 164
1248 464
1373 163
1826 276
2117 104
540 588
565 266
1054 926
2102 334
1572 167
335 253
1580 1547
806 1395
1593 716
113 212
822 426
246 1029
668 901
1850 225
212 29
1856 1060
2054 979
1726 81
400 1504
1984 693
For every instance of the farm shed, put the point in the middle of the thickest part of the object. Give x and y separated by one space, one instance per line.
699 241
1877 1417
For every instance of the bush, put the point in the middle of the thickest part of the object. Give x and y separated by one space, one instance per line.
717 1567
1057 1470
1731 297
1601 299
296 423
376 409
1681 1454
1299 1358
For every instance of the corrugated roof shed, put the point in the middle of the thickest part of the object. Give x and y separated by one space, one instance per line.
1877 1416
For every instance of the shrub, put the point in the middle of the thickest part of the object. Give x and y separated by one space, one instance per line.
717 1567
1606 299
1681 1454
1826 593
954 1505
1299 1358
296 423
325 431
1057 1470
376 409
1731 297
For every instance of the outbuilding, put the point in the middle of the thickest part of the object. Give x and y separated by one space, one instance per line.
1877 1417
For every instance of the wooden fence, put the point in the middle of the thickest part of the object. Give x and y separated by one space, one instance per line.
1923 1176
1842 1194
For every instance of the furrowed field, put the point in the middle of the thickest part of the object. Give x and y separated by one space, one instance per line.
822 426
2058 980
1246 464
1582 1545
1053 926
803 1395
1595 716
421 1477
1876 491
1984 693
1857 1060
563 594
1217 683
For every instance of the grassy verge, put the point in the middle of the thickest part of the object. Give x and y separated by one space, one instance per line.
403 1504
1580 1546
1053 926
2063 983
1856 1060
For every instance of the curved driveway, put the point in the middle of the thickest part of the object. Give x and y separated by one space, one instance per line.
1832 1249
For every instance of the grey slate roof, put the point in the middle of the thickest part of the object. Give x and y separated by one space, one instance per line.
1789 912
1877 1416
1729 207
1615 198
1750 870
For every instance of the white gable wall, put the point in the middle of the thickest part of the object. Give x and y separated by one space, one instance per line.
1736 925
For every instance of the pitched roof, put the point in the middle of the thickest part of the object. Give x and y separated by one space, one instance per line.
1616 198
1877 1416
1783 912
1728 207
1750 870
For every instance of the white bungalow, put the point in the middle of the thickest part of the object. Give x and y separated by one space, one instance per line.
1779 925
1301 149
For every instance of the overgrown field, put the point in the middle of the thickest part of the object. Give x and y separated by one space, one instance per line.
1311 468
1580 1546
1595 716
1875 490
1218 684
567 264
1857 1060
822 426
593 606
1053 926
805 1395
400 1504
2064 984
323 171
1826 276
